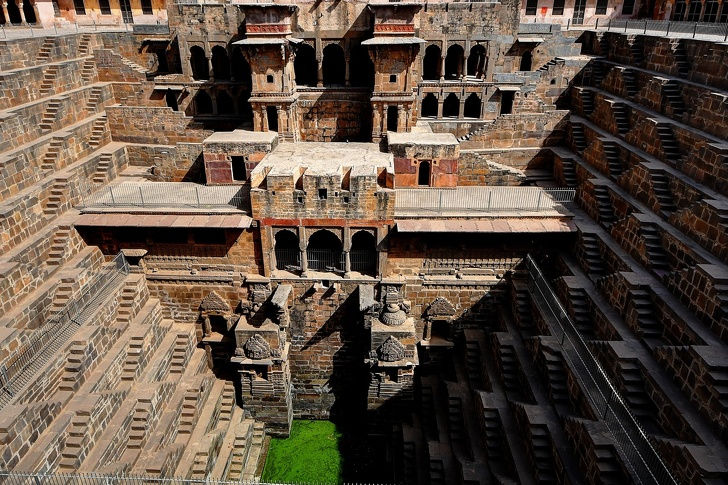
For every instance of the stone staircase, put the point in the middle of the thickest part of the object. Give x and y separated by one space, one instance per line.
648 325
630 82
653 245
44 53
49 115
474 364
51 155
681 58
522 308
541 453
569 171
592 255
577 134
636 51
604 205
558 388
581 312
57 197
98 132
670 146
94 99
548 65
634 393
663 194
83 45
88 70
101 174
621 117
59 246
672 91
611 153
587 101
49 79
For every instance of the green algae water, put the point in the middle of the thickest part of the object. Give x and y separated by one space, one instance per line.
310 454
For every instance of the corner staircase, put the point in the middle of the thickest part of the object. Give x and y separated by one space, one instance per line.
49 79
49 115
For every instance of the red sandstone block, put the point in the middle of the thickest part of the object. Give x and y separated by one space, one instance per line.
404 165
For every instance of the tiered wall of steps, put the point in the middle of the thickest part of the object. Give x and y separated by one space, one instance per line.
648 154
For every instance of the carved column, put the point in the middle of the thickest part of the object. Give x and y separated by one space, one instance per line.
6 16
464 68
346 72
462 107
22 14
320 82
401 121
347 251
303 245
440 102
442 68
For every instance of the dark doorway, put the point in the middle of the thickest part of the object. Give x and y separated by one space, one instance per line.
526 61
305 66
225 105
506 106
361 67
203 103
171 99
198 63
454 62
272 113
14 12
477 61
239 67
244 108
29 12
363 255
429 106
288 253
431 63
324 251
220 63
472 106
238 166
451 106
392 118
334 65
423 173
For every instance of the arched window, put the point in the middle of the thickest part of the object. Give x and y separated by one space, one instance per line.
526 61
429 106
361 67
334 65
305 65
225 105
477 61
472 106
272 113
198 63
454 62
431 63
203 103
171 99
220 63
423 173
29 12
324 251
678 11
239 67
288 253
14 12
392 115
363 254
451 106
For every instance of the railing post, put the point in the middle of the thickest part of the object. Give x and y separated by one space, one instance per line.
538 203
695 29
141 195
645 31
440 202
596 26
197 193
668 29
111 192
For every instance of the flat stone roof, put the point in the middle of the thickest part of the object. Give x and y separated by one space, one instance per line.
421 138
242 136
320 158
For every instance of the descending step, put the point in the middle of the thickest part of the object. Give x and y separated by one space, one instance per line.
621 117
592 255
581 311
49 78
541 452
558 388
59 246
568 169
83 45
670 146
604 205
636 49
611 152
57 196
52 154
101 175
577 134
587 101
546 66
681 57
44 53
630 81
49 115
653 244
98 131
94 99
637 398
88 71
649 326
663 193
673 93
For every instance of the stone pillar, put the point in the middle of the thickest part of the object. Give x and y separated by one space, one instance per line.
264 117
442 67
35 11
376 122
5 13
462 107
401 121
257 119
22 13
320 82
465 68
303 245
346 72
347 248
272 252
440 102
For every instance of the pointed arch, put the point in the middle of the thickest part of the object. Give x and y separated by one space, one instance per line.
431 63
198 63
472 106
305 65
220 63
451 106
334 65
454 62
477 61
429 106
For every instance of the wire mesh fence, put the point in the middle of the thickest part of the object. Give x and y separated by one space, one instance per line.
478 200
168 194
19 367
641 458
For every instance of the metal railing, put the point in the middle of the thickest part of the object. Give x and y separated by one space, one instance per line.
167 194
19 367
664 28
642 459
20 478
288 259
21 31
466 201
325 260
363 261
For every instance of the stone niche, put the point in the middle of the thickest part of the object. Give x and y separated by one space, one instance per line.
392 346
261 359
230 156
424 159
